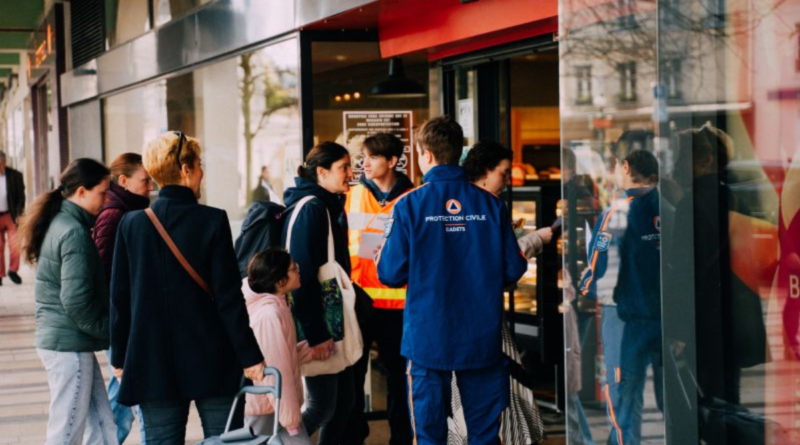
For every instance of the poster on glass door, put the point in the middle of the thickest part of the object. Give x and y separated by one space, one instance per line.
359 125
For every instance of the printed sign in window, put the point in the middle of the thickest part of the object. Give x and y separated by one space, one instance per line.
359 125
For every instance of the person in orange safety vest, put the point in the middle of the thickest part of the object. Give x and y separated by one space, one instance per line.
369 204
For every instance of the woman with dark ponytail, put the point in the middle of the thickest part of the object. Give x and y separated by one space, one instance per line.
326 176
72 303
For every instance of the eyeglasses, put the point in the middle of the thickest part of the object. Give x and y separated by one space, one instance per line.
181 137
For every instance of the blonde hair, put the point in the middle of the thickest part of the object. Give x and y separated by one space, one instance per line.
160 157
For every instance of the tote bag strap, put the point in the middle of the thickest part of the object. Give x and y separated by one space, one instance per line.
297 208
175 251
300 204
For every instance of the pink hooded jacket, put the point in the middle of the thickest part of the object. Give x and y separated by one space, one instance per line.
274 328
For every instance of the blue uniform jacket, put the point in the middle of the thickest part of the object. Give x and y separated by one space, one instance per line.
638 289
453 244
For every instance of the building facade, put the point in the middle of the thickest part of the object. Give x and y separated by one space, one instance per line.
710 88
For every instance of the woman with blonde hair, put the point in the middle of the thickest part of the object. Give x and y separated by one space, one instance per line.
179 325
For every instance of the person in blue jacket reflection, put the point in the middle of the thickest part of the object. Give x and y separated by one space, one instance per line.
453 244
637 291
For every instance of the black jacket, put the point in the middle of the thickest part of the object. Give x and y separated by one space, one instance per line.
15 188
309 250
173 341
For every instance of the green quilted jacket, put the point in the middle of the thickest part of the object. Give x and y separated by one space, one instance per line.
71 296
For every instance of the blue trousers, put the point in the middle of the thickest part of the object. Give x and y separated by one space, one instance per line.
484 396
611 332
641 347
123 415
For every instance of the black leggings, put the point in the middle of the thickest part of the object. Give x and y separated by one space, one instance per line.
329 402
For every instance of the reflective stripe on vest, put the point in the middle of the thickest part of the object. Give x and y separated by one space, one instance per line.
366 219
385 298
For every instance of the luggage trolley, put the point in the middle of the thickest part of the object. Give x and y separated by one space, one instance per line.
245 435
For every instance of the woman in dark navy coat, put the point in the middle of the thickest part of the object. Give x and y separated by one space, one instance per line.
172 341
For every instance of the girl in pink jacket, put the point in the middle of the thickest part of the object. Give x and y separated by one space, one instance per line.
271 276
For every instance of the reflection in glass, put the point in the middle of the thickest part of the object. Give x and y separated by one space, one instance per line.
244 110
345 76
713 96
166 10
125 20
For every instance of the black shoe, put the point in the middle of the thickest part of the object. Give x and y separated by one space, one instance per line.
15 277
1 281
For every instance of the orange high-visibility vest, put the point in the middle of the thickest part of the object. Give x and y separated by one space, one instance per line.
366 218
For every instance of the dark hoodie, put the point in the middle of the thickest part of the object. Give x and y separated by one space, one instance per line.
118 202
309 250
402 185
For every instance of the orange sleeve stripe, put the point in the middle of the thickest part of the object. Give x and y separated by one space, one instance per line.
595 254
611 413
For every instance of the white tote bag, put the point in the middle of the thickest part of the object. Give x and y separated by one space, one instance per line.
338 300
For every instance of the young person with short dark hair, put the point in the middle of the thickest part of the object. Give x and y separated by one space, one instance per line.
271 276
453 244
369 205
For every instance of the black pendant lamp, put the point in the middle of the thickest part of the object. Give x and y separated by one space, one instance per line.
397 86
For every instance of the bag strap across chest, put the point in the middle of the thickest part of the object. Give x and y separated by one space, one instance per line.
175 251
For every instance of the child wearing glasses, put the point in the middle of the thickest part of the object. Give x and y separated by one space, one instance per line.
272 275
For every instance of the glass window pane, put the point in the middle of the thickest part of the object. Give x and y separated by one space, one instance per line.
612 223
708 91
245 112
352 101
125 20
166 10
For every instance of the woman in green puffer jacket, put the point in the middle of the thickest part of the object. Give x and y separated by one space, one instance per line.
72 303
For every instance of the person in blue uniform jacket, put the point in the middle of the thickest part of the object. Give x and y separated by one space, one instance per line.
453 244
637 292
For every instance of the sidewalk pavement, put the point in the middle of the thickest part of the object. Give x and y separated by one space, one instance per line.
24 396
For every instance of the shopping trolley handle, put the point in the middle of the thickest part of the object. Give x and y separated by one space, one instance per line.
275 389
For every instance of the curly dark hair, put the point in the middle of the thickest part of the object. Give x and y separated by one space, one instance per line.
267 268
484 157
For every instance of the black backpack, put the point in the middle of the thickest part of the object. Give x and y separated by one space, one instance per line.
262 229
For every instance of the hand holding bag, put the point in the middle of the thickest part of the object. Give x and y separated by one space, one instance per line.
338 301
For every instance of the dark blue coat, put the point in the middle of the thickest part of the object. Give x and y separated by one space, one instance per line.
453 244
173 341
309 250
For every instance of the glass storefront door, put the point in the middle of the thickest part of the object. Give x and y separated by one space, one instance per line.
511 97
681 120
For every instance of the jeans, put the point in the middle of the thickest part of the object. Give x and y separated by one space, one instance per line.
329 402
612 328
641 346
262 425
165 422
78 400
123 415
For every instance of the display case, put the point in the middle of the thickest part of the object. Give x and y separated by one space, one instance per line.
533 304
524 207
